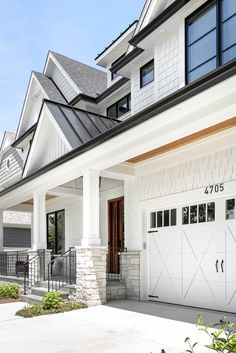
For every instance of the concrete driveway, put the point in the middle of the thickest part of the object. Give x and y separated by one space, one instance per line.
115 328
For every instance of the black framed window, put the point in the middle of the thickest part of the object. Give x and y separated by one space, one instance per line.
113 75
120 108
147 74
164 218
210 38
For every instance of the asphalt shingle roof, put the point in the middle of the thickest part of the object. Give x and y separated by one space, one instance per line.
79 126
50 88
89 80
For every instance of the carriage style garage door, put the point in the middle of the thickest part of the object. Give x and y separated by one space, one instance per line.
192 254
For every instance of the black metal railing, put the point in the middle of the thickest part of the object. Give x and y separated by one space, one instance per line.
12 263
113 263
62 270
34 271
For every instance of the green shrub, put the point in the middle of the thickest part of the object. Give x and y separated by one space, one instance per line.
38 309
10 290
221 340
52 300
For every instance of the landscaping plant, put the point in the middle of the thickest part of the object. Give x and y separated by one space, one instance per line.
52 300
10 290
222 339
51 303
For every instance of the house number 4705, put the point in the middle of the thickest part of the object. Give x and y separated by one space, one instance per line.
214 188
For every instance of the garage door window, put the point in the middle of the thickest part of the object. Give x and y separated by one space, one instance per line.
201 213
230 209
165 218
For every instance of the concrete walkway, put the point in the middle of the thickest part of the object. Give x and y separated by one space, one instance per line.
102 329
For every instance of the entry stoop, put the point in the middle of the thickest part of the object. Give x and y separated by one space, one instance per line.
37 293
116 290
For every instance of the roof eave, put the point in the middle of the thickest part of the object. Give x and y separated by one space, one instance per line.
219 75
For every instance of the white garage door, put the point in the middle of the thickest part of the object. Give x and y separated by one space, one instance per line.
192 254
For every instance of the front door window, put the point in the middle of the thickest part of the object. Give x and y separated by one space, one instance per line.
56 231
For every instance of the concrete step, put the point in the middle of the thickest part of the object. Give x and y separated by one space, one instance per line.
31 299
41 291
116 290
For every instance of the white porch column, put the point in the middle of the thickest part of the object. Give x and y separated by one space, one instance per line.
91 209
1 230
39 240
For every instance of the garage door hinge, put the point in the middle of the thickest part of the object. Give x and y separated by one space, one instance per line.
153 296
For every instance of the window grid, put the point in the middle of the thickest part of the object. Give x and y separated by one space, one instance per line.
113 110
220 52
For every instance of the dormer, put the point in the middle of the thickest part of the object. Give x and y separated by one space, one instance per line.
114 52
39 87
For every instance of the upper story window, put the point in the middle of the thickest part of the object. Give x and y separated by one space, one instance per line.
211 38
147 74
120 108
113 74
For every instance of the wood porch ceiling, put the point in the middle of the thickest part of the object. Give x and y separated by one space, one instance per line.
225 125
30 202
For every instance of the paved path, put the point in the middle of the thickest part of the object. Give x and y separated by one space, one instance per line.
102 329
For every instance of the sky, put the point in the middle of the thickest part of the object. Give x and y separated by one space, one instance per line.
79 29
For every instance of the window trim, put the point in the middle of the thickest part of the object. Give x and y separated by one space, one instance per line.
219 51
141 76
116 104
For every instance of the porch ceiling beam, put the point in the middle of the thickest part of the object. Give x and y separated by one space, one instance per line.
65 192
121 171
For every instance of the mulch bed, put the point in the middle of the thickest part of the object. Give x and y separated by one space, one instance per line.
9 300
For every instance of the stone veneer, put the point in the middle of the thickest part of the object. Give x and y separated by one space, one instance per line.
91 275
130 273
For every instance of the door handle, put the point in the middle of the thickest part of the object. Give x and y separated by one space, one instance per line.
216 265
222 266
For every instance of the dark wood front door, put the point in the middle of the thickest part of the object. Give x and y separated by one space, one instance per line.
116 233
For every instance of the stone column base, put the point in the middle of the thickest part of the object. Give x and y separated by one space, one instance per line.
91 274
130 273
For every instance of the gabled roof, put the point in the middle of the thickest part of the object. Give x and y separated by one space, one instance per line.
79 126
50 88
8 139
89 80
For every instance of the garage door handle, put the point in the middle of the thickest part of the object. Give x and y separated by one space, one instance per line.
152 231
222 266
217 262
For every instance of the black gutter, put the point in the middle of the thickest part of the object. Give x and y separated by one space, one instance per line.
219 75
154 24
22 137
121 34
126 59
102 96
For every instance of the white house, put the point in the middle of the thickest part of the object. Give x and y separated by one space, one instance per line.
137 160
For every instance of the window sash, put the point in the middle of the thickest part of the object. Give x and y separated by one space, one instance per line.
225 39
147 74
115 107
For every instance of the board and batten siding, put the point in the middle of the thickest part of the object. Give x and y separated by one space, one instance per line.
55 148
16 237
15 167
61 82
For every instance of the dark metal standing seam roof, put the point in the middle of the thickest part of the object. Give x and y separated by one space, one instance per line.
79 126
